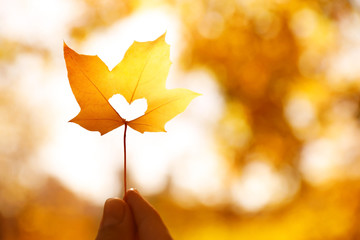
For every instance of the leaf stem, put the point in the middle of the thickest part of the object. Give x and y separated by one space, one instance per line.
125 158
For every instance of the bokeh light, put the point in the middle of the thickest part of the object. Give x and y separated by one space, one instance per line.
273 143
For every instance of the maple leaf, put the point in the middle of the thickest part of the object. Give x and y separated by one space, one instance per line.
141 74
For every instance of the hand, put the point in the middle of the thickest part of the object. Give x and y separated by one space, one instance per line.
132 219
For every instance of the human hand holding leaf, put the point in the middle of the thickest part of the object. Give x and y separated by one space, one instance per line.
141 74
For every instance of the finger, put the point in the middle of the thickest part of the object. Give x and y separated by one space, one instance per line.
117 222
149 224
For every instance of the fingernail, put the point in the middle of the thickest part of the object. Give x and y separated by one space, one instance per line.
130 190
113 212
134 190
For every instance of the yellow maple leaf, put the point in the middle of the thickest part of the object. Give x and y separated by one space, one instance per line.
141 74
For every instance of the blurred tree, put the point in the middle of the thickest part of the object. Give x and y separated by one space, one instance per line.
254 49
285 106
271 60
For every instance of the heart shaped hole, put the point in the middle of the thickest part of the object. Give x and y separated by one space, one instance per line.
128 111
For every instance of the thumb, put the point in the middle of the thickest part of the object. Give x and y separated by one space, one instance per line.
148 222
117 222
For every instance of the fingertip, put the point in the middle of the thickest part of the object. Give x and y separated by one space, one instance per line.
147 219
139 206
134 190
116 221
131 193
113 201
114 211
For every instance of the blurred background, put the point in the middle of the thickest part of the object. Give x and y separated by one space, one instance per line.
271 150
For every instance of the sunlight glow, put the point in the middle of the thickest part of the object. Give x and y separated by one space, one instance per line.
91 165
300 112
259 186
111 44
31 27
326 159
186 155
343 64
304 23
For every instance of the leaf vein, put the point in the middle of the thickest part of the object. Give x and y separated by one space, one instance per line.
140 76
87 77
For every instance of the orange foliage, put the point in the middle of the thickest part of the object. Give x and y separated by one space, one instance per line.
141 74
285 106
